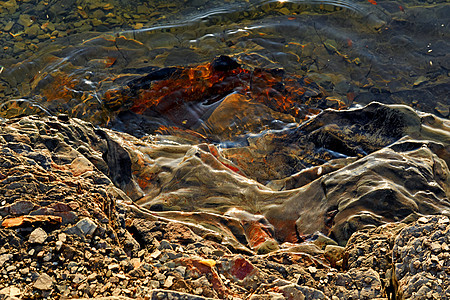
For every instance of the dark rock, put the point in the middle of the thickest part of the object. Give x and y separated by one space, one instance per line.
224 63
84 227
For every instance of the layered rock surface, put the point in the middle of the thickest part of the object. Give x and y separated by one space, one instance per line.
89 212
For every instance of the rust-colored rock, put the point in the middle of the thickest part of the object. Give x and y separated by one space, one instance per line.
202 267
241 268
31 220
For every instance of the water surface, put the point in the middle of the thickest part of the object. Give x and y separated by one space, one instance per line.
61 56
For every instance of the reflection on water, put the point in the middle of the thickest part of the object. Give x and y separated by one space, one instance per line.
73 56
56 55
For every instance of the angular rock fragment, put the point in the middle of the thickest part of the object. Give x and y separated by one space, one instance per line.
37 236
43 282
85 227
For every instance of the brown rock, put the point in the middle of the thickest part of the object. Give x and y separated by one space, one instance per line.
21 207
44 282
333 254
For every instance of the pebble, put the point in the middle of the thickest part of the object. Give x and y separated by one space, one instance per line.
4 258
44 282
155 254
38 236
181 270
78 278
169 281
58 245
113 267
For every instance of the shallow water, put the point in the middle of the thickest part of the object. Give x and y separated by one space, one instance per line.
61 56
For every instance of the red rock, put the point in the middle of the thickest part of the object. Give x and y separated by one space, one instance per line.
258 231
66 216
180 233
242 268
60 207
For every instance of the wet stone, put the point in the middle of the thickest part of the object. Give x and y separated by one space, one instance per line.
32 31
8 26
25 20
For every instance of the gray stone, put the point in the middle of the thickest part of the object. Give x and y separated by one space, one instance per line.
83 227
420 259
321 240
78 278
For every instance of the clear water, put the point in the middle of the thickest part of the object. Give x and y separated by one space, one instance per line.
62 56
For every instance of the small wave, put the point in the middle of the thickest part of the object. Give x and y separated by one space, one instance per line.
240 12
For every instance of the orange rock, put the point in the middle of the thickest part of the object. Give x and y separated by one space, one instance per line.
81 165
30 220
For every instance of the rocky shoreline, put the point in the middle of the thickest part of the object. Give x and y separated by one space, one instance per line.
75 223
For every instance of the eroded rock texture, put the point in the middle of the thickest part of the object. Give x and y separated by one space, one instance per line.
90 212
